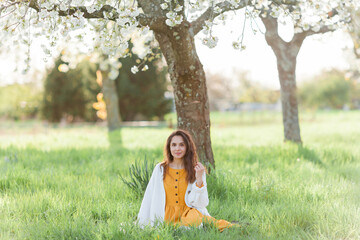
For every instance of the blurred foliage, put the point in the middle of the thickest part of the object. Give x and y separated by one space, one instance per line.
253 92
329 90
220 91
70 93
19 101
141 95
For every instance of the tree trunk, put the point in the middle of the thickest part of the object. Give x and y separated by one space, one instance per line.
189 83
289 99
112 103
286 53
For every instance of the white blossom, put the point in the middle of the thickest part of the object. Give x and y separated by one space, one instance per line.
145 68
90 9
170 22
113 74
222 17
134 69
178 19
104 66
63 6
47 4
217 9
134 12
236 45
210 41
178 8
43 13
171 14
306 27
164 6
316 28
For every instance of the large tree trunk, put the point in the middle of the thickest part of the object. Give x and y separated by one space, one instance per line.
189 83
187 76
112 103
286 53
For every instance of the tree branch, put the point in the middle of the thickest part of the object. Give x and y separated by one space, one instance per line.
299 37
209 14
155 23
271 32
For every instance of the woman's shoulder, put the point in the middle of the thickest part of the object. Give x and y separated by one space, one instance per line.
159 167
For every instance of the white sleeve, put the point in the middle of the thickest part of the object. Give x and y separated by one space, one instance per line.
198 197
144 213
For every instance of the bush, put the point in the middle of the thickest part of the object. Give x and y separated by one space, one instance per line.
329 90
19 101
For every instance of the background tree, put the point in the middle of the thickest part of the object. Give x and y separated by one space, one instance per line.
110 98
70 92
141 96
286 53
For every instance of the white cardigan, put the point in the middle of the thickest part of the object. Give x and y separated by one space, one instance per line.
153 205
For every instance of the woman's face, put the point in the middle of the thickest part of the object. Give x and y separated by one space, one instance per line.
177 147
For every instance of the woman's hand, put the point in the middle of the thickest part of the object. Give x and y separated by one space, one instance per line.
199 171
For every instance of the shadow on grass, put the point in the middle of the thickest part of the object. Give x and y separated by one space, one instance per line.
115 139
309 155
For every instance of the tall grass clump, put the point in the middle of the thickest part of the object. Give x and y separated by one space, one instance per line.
140 173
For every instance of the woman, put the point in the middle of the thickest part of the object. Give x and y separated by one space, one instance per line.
177 191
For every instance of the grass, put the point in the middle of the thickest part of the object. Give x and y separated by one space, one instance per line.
63 183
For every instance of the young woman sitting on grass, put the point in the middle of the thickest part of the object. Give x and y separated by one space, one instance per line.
177 191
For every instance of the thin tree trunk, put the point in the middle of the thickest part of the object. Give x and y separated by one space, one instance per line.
190 92
286 53
112 103
289 99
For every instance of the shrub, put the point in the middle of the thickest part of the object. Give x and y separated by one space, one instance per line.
19 101
329 90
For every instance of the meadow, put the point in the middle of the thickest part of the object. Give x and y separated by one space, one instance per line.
63 182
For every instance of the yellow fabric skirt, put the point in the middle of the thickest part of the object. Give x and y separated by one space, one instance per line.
176 211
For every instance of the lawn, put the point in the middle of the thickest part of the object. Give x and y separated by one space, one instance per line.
63 182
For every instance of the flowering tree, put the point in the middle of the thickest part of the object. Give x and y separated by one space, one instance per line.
307 19
172 23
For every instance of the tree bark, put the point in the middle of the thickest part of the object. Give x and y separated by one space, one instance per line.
286 53
189 83
112 103
286 69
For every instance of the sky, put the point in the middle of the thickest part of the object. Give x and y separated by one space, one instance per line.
318 53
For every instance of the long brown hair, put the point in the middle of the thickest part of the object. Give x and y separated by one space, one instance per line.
190 157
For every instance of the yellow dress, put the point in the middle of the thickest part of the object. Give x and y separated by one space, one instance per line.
176 210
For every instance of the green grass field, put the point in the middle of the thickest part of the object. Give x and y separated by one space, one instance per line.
63 183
